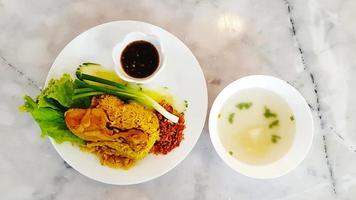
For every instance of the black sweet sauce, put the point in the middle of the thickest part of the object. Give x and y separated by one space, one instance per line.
140 59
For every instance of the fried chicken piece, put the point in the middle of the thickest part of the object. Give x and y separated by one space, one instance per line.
127 115
136 139
119 133
89 124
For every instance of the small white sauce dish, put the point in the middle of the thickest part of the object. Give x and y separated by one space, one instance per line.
132 37
303 135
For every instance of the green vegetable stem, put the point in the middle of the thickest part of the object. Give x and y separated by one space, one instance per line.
120 90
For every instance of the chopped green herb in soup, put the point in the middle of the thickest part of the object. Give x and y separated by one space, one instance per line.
244 105
231 118
257 126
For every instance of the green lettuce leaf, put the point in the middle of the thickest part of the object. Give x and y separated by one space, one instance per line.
58 94
49 107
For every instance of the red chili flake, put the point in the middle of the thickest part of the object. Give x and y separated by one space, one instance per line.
171 134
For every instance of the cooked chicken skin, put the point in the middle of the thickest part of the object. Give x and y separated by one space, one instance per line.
92 125
118 133
89 124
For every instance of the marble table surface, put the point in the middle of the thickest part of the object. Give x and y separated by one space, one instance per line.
309 43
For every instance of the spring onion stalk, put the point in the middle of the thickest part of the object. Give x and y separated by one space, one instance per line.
82 90
105 90
83 76
120 90
87 94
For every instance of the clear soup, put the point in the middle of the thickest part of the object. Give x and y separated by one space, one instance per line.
256 126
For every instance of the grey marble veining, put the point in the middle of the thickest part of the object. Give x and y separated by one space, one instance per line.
309 43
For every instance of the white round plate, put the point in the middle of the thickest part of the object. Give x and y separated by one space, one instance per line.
182 75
